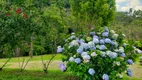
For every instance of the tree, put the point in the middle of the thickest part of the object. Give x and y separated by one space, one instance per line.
93 12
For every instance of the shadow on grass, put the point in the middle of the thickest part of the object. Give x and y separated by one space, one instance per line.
15 74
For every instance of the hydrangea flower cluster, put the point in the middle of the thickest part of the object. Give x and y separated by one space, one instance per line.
99 55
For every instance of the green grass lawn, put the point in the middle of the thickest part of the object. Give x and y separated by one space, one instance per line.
35 58
15 74
34 72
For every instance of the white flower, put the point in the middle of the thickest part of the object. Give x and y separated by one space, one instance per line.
84 53
118 63
98 46
74 43
120 76
112 31
91 44
112 55
121 49
115 36
107 52
93 54
71 59
123 35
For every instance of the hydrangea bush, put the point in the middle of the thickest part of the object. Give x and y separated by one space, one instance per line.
98 55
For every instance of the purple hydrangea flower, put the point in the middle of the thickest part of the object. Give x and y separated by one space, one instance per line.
62 67
59 49
102 47
77 60
105 77
102 41
105 34
129 72
91 71
107 40
129 61
122 55
92 33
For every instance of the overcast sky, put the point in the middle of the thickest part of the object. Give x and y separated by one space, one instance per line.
125 5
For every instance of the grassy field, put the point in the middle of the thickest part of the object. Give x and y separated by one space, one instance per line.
34 70
35 58
14 74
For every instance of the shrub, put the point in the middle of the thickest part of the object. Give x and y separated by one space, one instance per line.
98 55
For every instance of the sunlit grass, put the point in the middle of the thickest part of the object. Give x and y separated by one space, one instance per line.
35 58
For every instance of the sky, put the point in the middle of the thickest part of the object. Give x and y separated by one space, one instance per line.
125 5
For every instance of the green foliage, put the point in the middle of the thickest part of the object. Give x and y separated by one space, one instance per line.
93 12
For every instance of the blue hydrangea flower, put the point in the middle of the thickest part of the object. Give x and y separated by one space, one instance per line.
139 51
105 77
103 54
93 48
96 40
112 43
79 50
129 72
81 41
129 61
95 36
122 55
77 60
102 41
62 67
85 45
72 37
91 44
112 55
87 57
107 40
59 49
102 47
92 33
105 34
91 71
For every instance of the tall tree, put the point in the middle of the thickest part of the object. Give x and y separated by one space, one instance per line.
93 12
